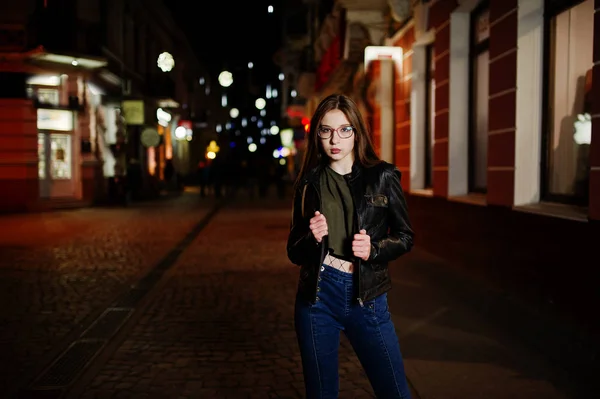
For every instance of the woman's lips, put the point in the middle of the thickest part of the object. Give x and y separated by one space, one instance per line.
335 150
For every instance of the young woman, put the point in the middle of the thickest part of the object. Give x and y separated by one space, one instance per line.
349 220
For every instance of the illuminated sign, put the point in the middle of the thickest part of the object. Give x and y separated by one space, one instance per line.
150 137
44 80
133 111
54 119
383 53
163 117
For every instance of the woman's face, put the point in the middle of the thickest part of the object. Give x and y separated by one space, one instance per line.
337 137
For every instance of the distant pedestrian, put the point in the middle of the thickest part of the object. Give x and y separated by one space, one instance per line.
349 219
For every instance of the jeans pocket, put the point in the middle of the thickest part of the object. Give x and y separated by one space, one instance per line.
377 308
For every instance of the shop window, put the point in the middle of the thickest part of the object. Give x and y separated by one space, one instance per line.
41 156
479 99
429 115
60 145
44 96
567 134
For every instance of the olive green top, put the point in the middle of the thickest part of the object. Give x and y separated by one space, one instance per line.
338 209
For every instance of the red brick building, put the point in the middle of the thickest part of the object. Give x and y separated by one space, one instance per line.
80 81
492 123
497 175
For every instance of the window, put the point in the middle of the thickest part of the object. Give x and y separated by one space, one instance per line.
478 130
568 127
41 156
60 157
429 115
44 96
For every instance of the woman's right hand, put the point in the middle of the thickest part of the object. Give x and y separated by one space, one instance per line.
318 226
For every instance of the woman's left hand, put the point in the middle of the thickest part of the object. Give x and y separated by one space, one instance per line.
361 245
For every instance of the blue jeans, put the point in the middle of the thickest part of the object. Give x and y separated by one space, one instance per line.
369 329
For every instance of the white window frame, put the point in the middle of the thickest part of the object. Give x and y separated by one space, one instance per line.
418 128
529 102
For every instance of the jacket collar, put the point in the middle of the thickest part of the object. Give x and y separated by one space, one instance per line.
357 169
313 175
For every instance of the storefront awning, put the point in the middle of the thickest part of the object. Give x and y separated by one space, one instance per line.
84 62
39 60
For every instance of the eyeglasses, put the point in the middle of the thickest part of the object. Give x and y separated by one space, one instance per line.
345 132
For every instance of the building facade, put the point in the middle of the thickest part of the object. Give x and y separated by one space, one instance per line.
93 94
488 108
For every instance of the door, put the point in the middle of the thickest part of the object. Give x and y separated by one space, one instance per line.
55 165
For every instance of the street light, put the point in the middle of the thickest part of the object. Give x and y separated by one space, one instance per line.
180 132
260 103
234 112
165 61
225 78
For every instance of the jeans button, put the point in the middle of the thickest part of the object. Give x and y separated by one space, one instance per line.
322 268
317 299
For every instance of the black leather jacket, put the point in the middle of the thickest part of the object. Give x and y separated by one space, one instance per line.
380 209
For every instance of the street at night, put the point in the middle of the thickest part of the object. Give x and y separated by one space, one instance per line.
299 199
213 313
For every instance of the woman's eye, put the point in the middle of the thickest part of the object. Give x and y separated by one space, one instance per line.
347 129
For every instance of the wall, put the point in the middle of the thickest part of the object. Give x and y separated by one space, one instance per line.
439 21
502 103
18 155
550 261
403 104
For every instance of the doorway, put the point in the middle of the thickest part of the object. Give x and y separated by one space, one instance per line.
55 164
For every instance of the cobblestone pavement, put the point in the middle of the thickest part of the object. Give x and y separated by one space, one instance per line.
219 321
221 324
59 268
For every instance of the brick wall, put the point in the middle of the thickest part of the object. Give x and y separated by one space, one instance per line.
402 115
19 184
502 103
439 20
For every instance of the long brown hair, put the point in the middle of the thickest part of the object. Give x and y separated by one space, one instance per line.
364 153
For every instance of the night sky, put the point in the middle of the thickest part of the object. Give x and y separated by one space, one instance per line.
229 35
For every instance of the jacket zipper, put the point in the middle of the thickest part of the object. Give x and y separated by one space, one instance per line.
360 301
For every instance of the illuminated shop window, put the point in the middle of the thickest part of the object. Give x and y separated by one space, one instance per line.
60 166
568 127
41 156
44 95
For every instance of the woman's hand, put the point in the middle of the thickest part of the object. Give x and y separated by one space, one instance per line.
318 226
361 245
